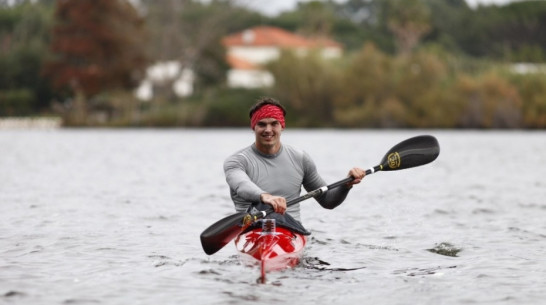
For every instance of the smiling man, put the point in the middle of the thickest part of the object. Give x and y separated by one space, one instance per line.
270 172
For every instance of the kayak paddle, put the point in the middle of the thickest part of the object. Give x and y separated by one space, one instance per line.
409 153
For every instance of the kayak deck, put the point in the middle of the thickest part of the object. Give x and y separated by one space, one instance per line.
272 251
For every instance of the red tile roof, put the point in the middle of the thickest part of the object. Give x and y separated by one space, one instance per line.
273 36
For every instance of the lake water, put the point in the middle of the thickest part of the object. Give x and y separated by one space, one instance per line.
98 216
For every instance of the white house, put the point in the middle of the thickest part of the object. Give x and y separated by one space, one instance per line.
164 73
248 50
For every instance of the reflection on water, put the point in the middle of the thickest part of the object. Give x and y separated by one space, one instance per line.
114 217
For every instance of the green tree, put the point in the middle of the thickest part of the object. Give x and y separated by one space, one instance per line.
308 84
490 102
23 47
365 96
508 32
532 88
361 21
379 90
519 31
418 82
409 20
448 23
318 18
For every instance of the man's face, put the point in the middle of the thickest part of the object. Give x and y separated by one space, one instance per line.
268 133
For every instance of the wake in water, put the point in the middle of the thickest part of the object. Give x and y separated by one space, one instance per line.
422 271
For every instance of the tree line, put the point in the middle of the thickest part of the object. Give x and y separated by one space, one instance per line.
407 63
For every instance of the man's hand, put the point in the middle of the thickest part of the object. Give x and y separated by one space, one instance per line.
278 203
358 174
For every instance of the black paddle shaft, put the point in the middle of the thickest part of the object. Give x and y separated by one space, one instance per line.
334 185
315 193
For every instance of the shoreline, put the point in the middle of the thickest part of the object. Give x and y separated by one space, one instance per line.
30 123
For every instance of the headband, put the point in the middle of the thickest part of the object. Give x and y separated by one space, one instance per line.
267 111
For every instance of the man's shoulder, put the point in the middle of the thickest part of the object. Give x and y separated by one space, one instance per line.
240 154
293 149
244 150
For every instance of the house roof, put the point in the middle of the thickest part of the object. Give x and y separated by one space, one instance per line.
273 36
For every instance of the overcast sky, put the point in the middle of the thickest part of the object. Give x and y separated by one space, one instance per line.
274 7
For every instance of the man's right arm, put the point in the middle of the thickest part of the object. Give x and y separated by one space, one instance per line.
238 180
240 183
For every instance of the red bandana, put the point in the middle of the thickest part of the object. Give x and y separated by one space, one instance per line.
267 111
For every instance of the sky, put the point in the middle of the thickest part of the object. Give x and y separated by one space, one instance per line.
274 7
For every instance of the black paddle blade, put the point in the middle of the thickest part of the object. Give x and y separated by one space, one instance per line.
412 152
222 232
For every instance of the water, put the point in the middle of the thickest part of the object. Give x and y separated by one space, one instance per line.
114 217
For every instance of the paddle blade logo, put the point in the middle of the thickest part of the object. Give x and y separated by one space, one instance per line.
247 220
394 160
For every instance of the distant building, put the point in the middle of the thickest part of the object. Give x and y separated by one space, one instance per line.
249 50
528 68
166 73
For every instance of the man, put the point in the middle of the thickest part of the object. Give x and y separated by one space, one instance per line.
273 173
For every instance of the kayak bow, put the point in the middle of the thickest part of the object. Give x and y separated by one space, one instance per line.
272 248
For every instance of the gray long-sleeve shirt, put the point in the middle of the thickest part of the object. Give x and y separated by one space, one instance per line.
250 173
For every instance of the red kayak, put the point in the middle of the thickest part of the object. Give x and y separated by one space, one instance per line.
272 248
